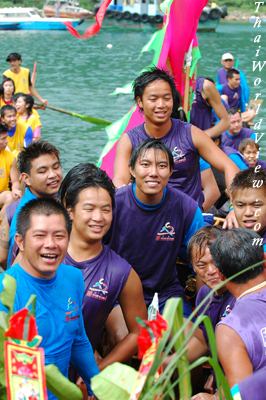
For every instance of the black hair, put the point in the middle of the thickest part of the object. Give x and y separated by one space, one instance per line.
147 145
29 101
247 142
13 56
233 111
45 207
235 250
8 107
81 177
33 151
6 79
203 238
245 179
231 72
151 75
3 129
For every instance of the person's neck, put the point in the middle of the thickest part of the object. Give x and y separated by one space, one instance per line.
157 131
148 199
7 97
15 70
238 289
26 266
81 250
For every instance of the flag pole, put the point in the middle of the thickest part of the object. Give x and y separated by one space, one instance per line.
188 59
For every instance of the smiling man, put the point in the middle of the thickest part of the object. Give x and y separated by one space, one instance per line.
40 169
43 228
248 196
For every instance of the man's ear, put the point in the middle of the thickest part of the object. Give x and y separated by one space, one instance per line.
70 213
19 241
132 173
139 103
222 277
25 179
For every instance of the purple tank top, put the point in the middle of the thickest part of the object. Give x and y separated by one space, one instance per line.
151 240
234 96
254 386
10 211
248 320
262 163
234 140
221 74
219 306
186 173
105 277
201 111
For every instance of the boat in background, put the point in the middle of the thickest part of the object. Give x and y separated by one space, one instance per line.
29 18
8 26
146 15
65 9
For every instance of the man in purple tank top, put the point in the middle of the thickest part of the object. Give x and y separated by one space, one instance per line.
88 194
231 91
248 196
40 170
154 92
241 335
207 99
236 133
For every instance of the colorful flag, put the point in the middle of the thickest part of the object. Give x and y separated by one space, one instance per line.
170 45
93 29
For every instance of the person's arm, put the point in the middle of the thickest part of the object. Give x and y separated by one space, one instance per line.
210 189
35 93
213 155
14 177
132 303
121 168
214 99
233 355
4 238
197 346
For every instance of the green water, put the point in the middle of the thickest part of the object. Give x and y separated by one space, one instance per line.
80 75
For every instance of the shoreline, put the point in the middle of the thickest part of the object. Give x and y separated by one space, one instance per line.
241 16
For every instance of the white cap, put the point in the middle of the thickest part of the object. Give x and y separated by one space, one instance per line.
227 56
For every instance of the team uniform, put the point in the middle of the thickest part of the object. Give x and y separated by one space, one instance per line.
201 111
20 136
105 277
21 79
186 173
234 140
219 306
3 102
33 121
6 161
59 318
253 387
248 320
245 92
151 238
234 96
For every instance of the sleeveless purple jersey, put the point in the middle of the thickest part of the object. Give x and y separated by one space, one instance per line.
234 96
234 140
201 111
254 386
186 174
262 163
151 240
219 306
104 277
221 75
248 320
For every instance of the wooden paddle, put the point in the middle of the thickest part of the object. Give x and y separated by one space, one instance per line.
86 118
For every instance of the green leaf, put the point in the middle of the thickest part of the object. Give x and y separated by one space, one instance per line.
7 296
4 320
60 386
118 379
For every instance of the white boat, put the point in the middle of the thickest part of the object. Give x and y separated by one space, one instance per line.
65 9
28 18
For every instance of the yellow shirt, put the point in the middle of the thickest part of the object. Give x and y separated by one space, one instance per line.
33 120
3 103
6 160
21 79
19 137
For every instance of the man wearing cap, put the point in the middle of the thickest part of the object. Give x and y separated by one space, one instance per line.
21 77
227 62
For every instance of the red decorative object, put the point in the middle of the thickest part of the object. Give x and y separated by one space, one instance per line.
152 331
22 326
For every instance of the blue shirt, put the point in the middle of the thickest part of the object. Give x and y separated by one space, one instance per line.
58 317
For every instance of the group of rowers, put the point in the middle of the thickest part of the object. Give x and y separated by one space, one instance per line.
95 251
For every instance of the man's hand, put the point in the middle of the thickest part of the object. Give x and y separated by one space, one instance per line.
230 221
16 193
204 396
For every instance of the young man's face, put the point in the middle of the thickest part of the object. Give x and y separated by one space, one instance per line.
235 124
3 141
15 65
228 64
234 82
250 208
44 245
250 155
45 176
151 172
157 102
92 215
205 268
9 118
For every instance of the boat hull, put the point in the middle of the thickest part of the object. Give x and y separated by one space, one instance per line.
48 25
8 26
